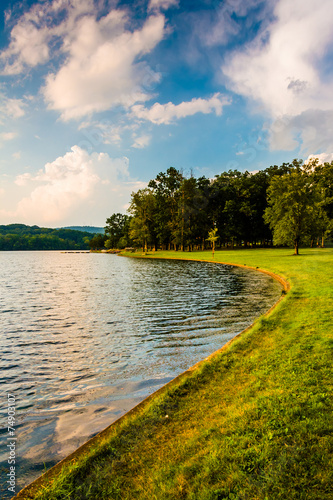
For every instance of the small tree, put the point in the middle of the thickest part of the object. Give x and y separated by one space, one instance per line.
212 237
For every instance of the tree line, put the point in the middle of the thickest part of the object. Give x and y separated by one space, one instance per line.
22 237
291 204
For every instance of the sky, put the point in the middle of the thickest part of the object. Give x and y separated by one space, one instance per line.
98 97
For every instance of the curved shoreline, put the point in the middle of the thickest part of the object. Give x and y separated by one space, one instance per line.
28 492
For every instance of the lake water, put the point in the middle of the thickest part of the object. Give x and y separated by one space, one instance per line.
85 337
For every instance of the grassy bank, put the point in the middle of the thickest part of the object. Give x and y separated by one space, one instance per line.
255 422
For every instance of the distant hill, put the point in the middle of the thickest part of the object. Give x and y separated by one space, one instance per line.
86 229
22 237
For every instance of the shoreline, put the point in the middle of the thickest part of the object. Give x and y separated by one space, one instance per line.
45 479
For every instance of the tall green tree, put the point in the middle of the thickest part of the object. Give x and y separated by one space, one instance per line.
323 177
142 225
117 231
165 188
183 232
293 204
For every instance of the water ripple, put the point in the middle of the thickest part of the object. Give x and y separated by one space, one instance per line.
87 336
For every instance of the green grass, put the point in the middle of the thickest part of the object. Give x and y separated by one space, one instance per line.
255 422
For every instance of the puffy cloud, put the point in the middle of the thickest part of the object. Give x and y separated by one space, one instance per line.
283 69
101 71
65 183
99 64
279 68
162 4
166 113
35 31
23 179
322 157
28 48
76 186
312 130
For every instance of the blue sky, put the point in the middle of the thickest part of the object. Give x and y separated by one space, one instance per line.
98 97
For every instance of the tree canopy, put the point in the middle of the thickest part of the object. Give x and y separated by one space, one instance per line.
295 212
291 204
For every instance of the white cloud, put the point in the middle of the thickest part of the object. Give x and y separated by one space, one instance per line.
101 70
17 155
219 25
312 130
99 55
162 4
103 132
37 29
167 113
283 69
76 186
64 183
8 136
27 48
23 179
11 108
141 141
322 157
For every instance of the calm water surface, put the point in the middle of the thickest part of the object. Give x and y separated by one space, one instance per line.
85 337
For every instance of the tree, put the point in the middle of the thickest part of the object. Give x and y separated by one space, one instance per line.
212 237
139 232
165 188
183 232
142 228
116 230
323 175
97 242
293 204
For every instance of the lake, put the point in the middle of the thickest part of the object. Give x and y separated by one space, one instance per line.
85 337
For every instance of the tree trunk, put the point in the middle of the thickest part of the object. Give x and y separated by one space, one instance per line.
296 247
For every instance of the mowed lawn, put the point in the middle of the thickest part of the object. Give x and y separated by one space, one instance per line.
253 422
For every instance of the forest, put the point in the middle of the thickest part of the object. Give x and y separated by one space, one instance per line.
22 237
291 204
